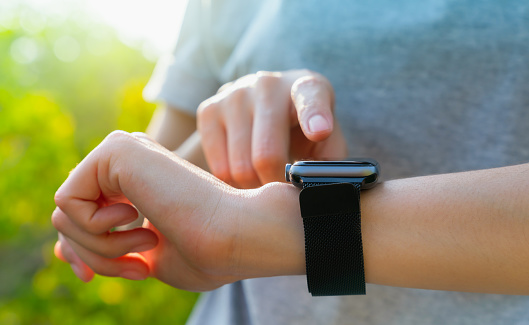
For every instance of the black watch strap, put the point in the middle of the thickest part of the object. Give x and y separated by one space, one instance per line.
333 239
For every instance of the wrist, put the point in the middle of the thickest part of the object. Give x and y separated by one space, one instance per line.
272 240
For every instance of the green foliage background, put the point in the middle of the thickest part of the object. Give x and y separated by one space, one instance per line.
52 113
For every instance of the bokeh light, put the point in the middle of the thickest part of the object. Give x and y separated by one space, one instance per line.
66 49
70 73
24 50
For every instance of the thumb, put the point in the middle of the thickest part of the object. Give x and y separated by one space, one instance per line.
313 98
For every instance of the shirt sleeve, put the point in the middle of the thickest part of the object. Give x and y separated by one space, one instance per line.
184 78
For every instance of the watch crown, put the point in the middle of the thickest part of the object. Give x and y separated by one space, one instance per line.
287 172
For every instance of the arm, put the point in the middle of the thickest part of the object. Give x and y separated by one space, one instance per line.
462 232
456 232
171 126
175 129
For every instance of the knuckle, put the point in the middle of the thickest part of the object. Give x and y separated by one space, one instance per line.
309 81
117 141
265 79
118 135
225 87
60 199
246 81
207 110
58 220
236 96
216 110
141 135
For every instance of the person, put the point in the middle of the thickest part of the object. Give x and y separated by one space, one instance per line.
426 88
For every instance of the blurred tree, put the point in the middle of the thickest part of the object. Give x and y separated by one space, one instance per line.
63 87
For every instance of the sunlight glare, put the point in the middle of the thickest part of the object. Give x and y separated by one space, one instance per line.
149 25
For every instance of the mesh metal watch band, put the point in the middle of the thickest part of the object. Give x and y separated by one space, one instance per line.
333 239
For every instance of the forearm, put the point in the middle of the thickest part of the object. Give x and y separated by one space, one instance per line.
171 126
461 232
176 130
191 150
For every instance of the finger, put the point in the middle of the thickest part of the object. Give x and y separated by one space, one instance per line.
225 87
58 252
214 143
112 216
64 251
313 99
107 244
131 266
239 134
91 186
271 129
334 147
103 219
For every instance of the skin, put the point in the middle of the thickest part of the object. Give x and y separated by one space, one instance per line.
180 233
175 129
463 232
308 97
291 98
260 122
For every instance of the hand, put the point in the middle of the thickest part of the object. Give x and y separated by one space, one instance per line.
258 123
199 232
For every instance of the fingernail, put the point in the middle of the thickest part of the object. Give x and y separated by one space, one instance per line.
142 248
133 275
318 123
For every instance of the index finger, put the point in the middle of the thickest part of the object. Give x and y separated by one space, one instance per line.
313 98
89 187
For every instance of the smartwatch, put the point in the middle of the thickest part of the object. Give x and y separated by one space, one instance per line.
330 208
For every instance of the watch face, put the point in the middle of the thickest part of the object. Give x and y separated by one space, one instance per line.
364 171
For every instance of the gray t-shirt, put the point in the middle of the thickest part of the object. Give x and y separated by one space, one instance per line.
424 87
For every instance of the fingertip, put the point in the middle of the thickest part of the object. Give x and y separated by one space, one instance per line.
58 252
64 251
112 216
313 100
137 268
83 272
317 128
319 124
88 277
